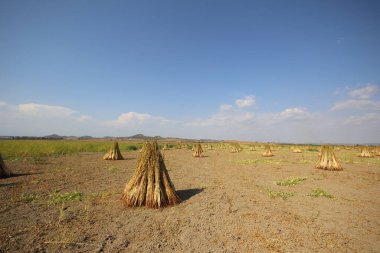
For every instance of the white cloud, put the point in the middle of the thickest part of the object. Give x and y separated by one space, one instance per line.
247 101
42 110
226 116
83 118
364 93
363 119
225 107
131 117
356 105
361 100
295 113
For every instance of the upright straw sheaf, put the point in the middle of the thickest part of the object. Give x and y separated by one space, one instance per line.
365 152
235 148
327 160
197 152
114 153
4 171
267 151
377 151
150 185
296 150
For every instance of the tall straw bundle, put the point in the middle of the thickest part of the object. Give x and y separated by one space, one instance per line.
327 160
198 150
114 153
235 148
4 171
377 151
150 185
365 152
267 151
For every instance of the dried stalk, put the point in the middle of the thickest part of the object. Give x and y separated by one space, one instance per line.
150 185
327 160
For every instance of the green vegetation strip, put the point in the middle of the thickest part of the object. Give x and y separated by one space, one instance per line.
39 149
290 181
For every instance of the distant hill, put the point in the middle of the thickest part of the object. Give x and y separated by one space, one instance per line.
143 137
54 137
85 137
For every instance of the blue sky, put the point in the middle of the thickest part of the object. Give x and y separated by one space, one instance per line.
297 71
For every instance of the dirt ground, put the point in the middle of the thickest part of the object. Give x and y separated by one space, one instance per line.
229 205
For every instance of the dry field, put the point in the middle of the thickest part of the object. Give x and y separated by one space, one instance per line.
232 202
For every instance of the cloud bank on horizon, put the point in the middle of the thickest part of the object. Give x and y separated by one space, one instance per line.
355 119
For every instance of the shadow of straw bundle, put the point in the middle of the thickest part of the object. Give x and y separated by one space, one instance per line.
4 171
150 185
327 160
114 153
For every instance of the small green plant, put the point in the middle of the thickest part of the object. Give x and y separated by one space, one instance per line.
316 193
28 197
290 181
101 195
283 195
113 168
62 214
60 198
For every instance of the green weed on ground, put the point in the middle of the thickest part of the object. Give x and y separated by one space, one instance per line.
283 195
318 192
290 181
60 198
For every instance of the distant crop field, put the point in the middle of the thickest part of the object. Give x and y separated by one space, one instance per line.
39 148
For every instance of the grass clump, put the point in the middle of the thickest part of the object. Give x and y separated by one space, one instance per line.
60 198
283 195
28 197
113 169
290 181
316 193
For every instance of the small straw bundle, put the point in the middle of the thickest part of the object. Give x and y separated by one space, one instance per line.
114 153
365 152
327 160
197 150
267 151
150 185
296 150
235 148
